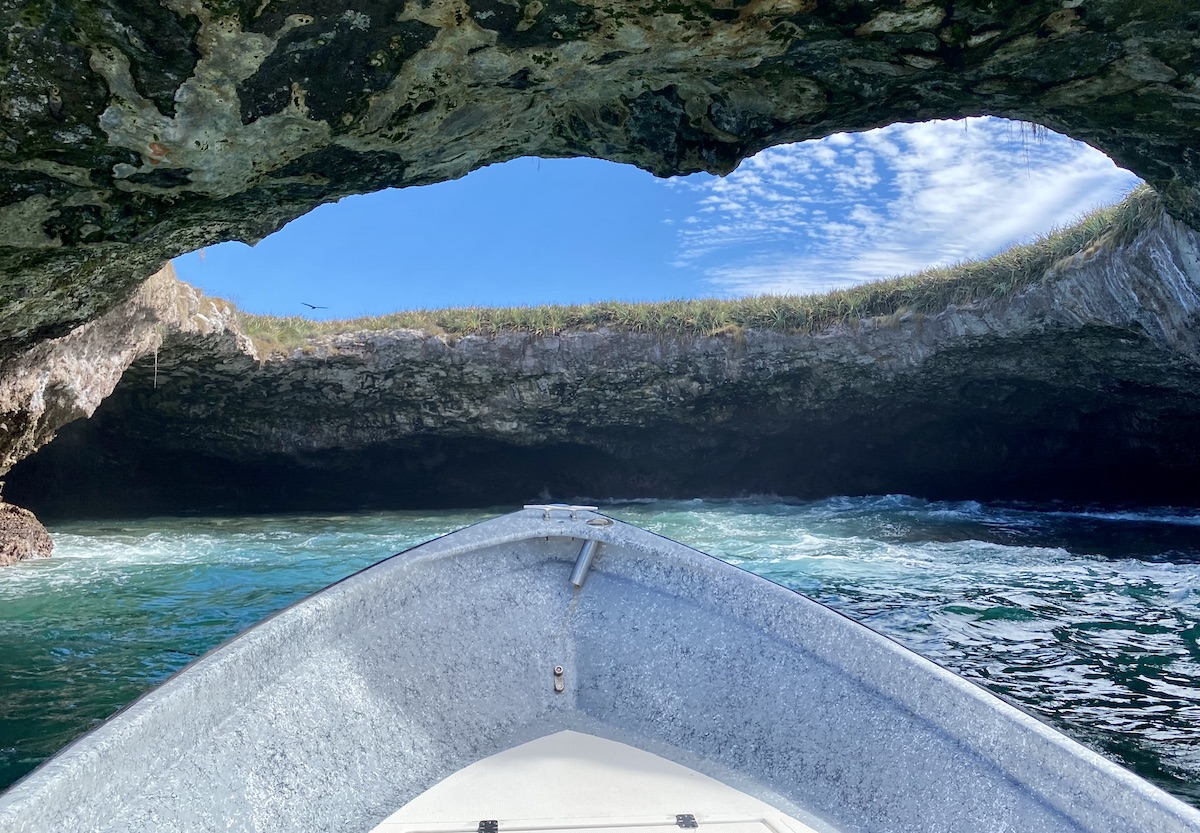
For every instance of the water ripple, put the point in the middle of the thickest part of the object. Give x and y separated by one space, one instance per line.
1087 616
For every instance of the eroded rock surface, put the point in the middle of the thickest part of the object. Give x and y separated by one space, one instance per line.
134 130
64 379
22 536
1083 385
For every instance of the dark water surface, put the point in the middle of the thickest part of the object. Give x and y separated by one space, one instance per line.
1089 619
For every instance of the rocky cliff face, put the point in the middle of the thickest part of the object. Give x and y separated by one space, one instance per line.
134 130
1082 385
61 380
58 381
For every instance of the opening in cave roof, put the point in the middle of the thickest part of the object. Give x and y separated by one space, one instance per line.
795 219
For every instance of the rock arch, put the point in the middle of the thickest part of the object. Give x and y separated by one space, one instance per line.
134 130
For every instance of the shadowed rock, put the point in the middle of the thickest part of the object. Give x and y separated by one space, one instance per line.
64 379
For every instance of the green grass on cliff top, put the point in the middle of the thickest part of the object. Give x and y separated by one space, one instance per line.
924 292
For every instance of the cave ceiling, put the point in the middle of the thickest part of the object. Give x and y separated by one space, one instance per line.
132 131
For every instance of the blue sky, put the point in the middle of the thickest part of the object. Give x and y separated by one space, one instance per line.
796 218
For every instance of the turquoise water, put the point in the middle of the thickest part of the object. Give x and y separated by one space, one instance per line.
1089 619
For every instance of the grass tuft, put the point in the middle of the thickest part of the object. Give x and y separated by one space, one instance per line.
926 292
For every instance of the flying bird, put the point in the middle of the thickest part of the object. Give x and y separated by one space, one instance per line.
312 306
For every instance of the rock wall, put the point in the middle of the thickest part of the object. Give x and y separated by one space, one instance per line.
64 379
58 381
134 130
1083 385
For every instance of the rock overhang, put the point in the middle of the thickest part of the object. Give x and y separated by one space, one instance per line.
135 130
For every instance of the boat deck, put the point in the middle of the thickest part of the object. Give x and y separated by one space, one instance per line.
572 781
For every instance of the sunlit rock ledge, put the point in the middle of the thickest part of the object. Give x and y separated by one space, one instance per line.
1081 385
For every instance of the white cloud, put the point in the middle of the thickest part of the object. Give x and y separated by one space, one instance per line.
855 207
